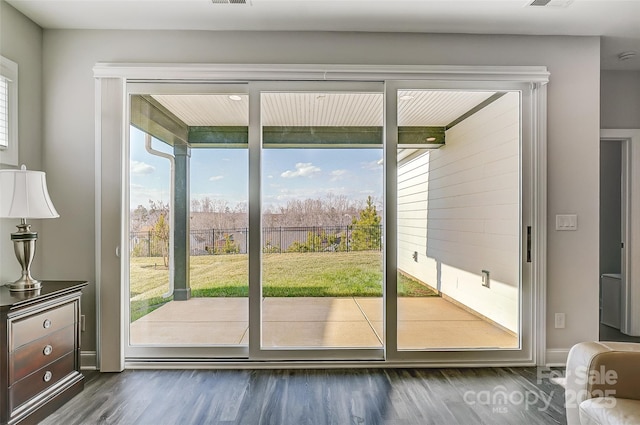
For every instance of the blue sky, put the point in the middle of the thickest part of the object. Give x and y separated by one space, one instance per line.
287 174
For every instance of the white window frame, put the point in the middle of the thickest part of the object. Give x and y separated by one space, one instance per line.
9 71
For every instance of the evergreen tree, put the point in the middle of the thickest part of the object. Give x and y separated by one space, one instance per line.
230 246
366 233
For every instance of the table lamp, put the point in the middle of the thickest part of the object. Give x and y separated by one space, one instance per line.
23 195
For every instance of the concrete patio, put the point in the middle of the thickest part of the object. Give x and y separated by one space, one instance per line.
423 323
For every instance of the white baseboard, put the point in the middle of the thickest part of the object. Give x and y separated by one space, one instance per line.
554 357
557 357
88 360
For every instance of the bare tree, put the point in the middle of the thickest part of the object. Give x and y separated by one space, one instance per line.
208 213
139 218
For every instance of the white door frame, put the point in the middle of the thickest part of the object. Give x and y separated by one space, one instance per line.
111 119
630 290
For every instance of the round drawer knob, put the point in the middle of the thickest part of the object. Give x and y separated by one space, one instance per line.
47 350
46 324
47 376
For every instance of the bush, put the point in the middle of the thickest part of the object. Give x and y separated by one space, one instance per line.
271 249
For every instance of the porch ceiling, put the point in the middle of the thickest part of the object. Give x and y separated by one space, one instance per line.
416 108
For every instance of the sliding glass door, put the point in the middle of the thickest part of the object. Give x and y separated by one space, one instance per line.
319 221
188 278
458 180
322 207
458 219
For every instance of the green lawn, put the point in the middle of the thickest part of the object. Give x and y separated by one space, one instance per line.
335 274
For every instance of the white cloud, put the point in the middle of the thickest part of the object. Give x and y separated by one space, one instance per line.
373 165
141 168
215 178
338 174
303 169
140 195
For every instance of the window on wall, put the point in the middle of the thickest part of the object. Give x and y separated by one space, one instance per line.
8 112
4 116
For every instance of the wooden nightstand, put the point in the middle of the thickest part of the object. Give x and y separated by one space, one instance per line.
40 350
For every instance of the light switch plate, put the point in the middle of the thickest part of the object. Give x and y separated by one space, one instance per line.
566 222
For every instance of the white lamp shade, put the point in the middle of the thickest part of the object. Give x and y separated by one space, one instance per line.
23 194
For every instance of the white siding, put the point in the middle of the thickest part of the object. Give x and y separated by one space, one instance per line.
413 187
459 209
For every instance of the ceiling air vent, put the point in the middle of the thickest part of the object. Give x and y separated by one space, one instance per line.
230 1
549 3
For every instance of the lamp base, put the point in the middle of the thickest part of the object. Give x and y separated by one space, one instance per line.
25 283
24 245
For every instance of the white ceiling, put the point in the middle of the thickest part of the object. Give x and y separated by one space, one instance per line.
617 21
415 108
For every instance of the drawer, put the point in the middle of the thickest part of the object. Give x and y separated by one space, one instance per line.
40 380
35 327
41 352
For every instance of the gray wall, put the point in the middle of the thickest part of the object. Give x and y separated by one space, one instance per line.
620 91
21 41
573 118
573 127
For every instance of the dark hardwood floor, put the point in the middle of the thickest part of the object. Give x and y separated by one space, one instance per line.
608 333
315 396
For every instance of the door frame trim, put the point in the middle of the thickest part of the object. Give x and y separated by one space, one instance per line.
111 79
630 139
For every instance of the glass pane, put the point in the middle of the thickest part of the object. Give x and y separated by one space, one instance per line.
458 219
149 226
219 273
189 274
4 112
322 200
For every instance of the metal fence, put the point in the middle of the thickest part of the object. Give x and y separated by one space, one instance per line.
274 240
